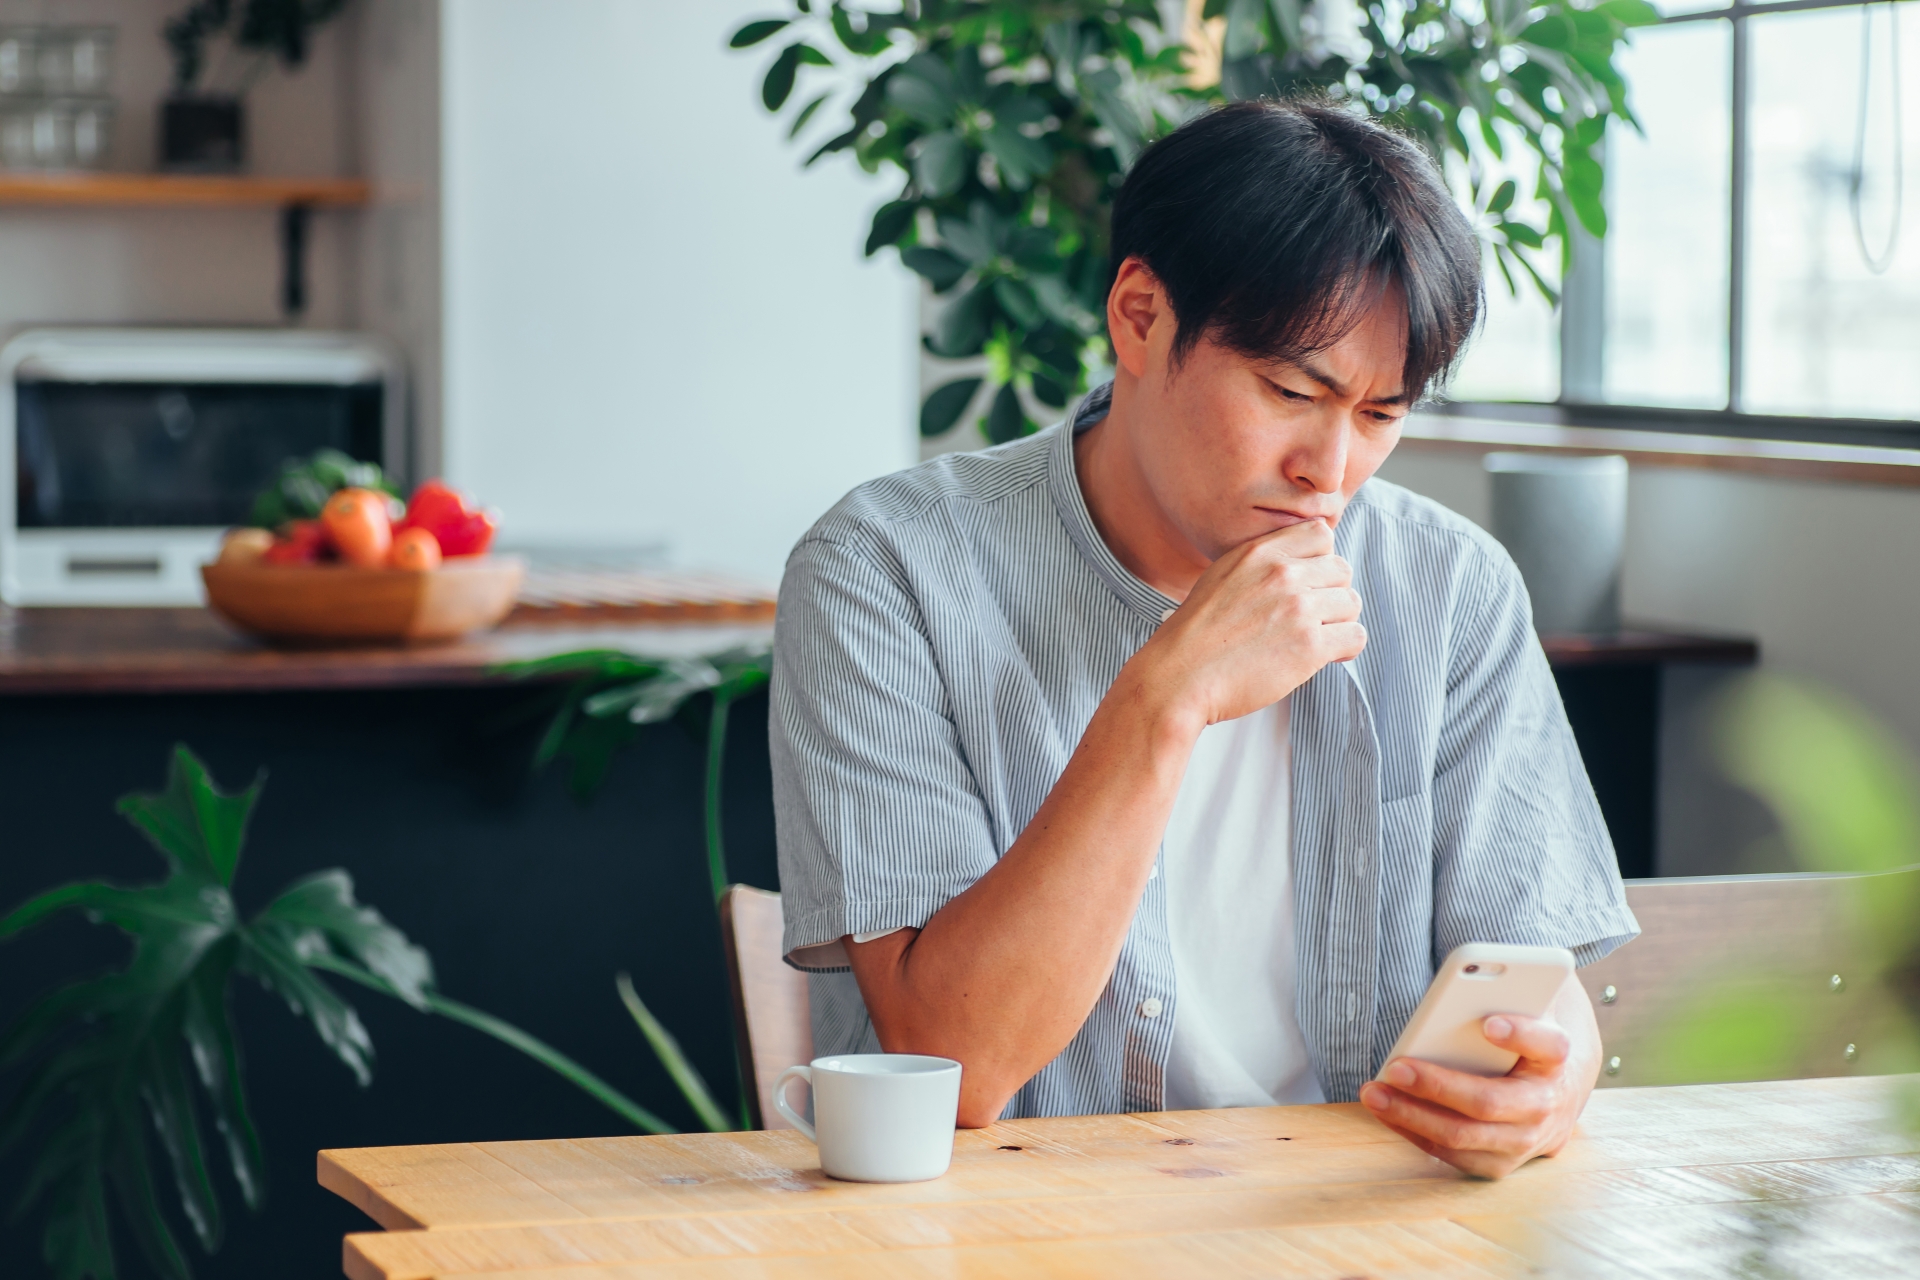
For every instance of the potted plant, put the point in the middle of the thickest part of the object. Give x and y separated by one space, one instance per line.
1009 125
202 125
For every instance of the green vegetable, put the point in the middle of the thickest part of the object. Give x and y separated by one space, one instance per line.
304 485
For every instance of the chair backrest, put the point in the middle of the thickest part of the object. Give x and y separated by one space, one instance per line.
772 1024
1779 955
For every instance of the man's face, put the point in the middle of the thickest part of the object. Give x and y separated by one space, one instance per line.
1233 447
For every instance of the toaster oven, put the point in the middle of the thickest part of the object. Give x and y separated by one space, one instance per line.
127 453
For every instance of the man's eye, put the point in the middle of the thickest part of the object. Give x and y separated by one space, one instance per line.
1288 393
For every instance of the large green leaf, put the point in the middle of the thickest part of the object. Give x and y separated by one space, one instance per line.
754 32
320 911
937 267
193 824
941 166
945 404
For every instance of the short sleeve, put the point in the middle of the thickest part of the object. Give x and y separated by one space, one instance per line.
1522 852
879 820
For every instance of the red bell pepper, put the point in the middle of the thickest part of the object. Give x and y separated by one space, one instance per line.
443 511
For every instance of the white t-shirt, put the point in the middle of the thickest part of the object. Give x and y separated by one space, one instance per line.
1236 1038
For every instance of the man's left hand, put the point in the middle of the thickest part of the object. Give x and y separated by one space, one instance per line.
1490 1127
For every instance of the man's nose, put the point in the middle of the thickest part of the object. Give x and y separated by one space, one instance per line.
1320 462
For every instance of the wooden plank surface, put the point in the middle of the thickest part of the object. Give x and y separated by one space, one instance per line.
85 650
1312 1190
178 189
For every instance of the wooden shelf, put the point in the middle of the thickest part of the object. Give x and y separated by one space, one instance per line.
174 189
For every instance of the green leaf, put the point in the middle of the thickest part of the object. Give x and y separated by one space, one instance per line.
319 910
925 101
133 1187
890 222
163 1086
1051 391
684 1074
806 114
938 267
754 32
979 237
962 327
1021 159
1503 197
195 826
1629 13
941 166
1243 35
945 404
1521 233
1007 420
1018 302
654 700
267 957
778 85
207 1026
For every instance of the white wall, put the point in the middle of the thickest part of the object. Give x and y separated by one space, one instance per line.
1826 576
657 327
208 266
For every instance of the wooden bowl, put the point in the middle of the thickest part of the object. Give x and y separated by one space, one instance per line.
339 604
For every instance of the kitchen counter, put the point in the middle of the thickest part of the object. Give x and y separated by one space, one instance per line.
113 651
67 651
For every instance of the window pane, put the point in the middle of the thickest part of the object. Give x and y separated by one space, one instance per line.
1666 246
1825 335
1516 355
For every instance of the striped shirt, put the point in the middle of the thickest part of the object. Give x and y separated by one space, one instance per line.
943 638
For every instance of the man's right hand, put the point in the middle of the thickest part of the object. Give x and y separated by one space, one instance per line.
1257 625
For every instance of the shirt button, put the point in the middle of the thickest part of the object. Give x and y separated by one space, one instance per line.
1150 1007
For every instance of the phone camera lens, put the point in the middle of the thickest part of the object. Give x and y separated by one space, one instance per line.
1472 968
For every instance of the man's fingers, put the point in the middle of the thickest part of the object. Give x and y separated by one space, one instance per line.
1333 604
1342 641
1439 1125
1314 538
1536 1041
1503 1100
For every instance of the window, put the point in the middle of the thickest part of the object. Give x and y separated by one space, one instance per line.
1761 272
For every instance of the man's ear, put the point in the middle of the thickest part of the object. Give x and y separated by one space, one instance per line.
1134 305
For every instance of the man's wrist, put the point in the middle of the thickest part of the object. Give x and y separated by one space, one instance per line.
1155 703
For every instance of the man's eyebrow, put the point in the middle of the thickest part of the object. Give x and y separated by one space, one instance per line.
1333 384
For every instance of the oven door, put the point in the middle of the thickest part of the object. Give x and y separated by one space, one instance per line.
124 478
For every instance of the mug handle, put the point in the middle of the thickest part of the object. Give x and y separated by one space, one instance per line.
780 1100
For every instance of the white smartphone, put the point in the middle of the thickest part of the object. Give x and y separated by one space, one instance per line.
1477 981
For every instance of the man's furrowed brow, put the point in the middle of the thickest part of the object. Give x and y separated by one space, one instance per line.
1338 388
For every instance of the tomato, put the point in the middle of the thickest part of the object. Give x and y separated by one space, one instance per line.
444 512
414 550
356 522
300 542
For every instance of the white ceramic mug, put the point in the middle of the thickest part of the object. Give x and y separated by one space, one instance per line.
878 1117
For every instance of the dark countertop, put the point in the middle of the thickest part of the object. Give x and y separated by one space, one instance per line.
65 651
111 651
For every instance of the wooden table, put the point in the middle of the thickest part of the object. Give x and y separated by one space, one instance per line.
1795 1178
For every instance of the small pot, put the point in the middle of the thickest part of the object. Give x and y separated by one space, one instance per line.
202 133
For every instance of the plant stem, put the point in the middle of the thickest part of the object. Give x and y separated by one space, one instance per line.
685 1075
716 759
508 1034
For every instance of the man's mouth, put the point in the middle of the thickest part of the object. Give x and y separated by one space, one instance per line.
1282 518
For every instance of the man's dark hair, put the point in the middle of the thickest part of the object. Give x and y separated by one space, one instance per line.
1273 225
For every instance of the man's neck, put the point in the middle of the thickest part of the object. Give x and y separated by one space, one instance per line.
1129 519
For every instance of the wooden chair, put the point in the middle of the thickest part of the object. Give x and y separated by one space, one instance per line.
1785 947
771 1019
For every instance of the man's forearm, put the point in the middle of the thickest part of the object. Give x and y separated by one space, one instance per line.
1003 976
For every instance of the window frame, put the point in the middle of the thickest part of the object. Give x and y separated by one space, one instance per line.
1582 316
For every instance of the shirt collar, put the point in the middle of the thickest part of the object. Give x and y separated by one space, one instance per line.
1063 482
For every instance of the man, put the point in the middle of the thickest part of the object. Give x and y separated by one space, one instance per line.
1088 773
